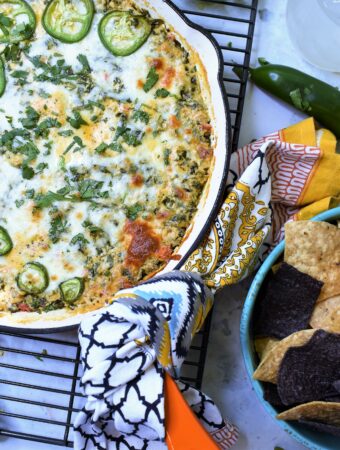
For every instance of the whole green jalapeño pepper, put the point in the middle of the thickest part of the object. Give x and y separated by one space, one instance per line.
306 93
17 21
68 20
122 33
2 78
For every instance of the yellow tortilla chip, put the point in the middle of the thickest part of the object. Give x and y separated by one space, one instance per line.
268 368
325 412
326 315
264 345
314 248
276 267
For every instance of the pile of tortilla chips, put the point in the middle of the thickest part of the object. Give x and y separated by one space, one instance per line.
297 328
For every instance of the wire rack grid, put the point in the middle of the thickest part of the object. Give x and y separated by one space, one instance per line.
39 375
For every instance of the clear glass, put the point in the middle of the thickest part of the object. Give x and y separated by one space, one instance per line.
314 28
332 9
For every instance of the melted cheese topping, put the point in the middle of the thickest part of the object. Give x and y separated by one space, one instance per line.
98 178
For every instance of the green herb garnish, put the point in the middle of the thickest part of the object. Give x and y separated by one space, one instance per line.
133 211
80 240
162 93
76 121
141 116
58 226
151 80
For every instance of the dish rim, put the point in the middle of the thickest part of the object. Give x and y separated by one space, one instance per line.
220 192
247 345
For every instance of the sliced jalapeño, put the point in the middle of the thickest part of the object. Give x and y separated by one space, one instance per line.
68 20
33 279
17 21
71 289
6 243
122 33
2 77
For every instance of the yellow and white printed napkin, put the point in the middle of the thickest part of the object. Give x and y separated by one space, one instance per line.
292 174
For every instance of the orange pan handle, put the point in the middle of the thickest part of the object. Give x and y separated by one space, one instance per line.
183 429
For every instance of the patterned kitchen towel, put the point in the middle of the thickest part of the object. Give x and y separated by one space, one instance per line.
292 174
148 329
125 350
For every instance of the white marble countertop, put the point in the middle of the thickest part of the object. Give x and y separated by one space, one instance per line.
225 377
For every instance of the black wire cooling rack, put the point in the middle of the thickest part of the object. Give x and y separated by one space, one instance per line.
39 390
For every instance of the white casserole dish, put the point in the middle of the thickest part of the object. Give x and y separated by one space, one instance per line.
208 51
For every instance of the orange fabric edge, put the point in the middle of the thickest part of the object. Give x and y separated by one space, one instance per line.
183 429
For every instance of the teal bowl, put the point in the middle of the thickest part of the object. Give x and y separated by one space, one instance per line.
309 438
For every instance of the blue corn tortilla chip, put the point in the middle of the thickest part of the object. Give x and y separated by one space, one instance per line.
287 303
271 395
321 427
311 372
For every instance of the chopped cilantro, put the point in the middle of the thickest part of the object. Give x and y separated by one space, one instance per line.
133 211
84 62
12 52
47 200
61 164
5 22
21 76
76 121
92 104
7 137
65 133
151 80
141 116
84 190
76 141
60 73
162 93
89 189
31 119
24 30
42 129
94 229
117 147
80 240
40 167
58 226
101 148
27 172
29 150
133 137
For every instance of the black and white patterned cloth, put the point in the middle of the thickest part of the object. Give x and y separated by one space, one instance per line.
126 348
